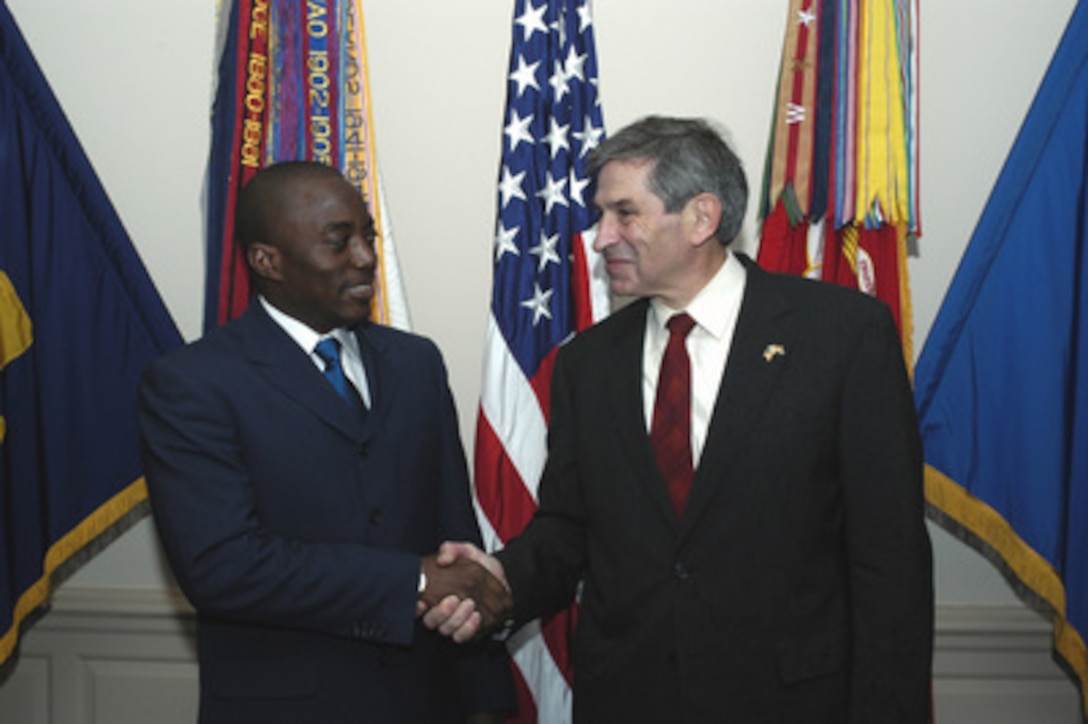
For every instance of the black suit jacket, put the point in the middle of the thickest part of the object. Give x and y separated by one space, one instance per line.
798 586
295 527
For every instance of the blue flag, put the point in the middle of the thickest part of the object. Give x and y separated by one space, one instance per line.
1002 383
79 320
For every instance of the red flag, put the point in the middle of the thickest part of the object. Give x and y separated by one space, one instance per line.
840 192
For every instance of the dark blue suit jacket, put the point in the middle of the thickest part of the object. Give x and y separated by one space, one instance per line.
295 527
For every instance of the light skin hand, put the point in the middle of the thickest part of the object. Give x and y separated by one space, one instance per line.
447 605
463 624
453 617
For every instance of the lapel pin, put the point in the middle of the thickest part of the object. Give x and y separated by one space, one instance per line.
773 350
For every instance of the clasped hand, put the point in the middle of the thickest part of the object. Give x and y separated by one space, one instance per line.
466 594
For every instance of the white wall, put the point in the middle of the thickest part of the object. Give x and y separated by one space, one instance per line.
135 79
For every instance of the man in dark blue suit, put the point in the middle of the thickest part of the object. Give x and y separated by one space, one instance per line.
298 518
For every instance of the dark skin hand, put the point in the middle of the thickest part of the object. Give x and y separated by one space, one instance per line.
467 579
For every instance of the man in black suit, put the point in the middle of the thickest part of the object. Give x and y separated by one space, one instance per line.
773 565
297 514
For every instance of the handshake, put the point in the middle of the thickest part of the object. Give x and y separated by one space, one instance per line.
466 595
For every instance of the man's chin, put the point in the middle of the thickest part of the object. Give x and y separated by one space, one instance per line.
622 288
359 314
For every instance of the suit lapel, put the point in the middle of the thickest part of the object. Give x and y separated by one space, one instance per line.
374 352
286 367
750 374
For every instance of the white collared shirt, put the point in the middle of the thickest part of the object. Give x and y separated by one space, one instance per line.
715 309
307 339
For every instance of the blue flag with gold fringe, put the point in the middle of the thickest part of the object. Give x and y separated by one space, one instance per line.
1002 382
79 320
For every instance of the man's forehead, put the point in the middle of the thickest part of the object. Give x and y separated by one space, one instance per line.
623 179
324 199
314 182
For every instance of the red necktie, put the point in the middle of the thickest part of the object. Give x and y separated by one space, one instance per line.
670 431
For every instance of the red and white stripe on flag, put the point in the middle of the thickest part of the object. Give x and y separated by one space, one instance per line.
548 284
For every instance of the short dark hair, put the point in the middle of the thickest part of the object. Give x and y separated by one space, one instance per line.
689 157
264 196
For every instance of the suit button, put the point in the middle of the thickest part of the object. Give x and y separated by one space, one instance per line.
375 516
363 449
681 572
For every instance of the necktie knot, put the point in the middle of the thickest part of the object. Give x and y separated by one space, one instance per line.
328 350
680 325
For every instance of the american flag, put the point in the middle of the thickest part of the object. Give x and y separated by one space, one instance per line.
548 284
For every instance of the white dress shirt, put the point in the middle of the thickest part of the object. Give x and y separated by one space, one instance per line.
715 309
306 338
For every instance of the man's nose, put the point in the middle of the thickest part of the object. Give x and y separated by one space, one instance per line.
606 232
362 251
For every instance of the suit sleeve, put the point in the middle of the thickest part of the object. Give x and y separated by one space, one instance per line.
888 549
227 561
545 562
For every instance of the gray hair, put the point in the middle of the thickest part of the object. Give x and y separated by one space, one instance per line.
689 157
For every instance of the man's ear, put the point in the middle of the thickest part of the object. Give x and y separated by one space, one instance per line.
264 260
703 213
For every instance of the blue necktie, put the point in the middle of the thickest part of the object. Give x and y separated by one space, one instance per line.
329 351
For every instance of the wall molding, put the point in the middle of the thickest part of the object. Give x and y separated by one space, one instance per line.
994 664
127 656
